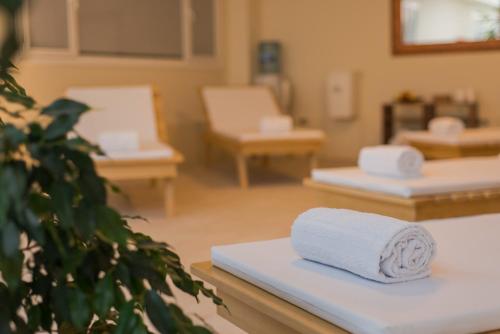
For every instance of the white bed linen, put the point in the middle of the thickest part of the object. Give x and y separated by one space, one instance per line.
461 296
238 109
438 177
146 151
482 136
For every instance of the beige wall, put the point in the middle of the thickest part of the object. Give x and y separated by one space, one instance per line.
239 42
324 35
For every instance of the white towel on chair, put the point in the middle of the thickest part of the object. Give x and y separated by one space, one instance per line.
446 126
276 124
391 161
119 141
376 247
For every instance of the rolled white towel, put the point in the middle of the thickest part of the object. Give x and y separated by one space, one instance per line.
276 124
376 247
446 126
119 141
391 160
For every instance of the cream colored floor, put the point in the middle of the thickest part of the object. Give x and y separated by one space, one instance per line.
212 210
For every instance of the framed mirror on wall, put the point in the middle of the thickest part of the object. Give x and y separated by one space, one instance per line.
425 26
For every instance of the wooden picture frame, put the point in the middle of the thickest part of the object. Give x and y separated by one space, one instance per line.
400 48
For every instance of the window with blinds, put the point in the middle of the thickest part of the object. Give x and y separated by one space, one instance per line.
124 28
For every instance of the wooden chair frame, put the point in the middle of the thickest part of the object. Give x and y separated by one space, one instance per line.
164 169
433 151
418 208
266 147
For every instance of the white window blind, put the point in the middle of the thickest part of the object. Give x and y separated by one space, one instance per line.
203 27
151 28
48 24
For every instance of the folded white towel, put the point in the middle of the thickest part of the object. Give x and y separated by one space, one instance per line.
446 126
391 161
276 124
124 141
380 248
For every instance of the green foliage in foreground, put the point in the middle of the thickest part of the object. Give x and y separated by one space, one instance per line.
69 262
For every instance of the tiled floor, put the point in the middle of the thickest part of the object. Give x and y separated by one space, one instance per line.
212 210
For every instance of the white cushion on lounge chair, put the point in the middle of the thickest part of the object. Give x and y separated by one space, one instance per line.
120 109
237 112
297 134
468 137
238 109
438 177
462 295
146 151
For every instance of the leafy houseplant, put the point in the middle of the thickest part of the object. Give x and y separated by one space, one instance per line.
69 262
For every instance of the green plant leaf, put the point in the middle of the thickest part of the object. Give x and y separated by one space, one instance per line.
85 220
35 317
11 137
61 194
11 269
128 320
79 309
104 296
66 114
10 239
111 226
159 313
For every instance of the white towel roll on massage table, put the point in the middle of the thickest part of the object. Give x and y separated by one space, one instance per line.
462 295
376 247
446 126
391 161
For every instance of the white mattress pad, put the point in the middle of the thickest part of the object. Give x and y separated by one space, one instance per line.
461 296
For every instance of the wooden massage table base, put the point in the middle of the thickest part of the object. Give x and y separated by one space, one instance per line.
257 311
416 208
164 170
443 151
267 147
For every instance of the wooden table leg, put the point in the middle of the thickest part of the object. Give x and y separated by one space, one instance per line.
313 162
169 198
241 165
208 153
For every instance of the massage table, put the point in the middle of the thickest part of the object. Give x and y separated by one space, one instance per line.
268 288
137 109
471 143
233 115
447 188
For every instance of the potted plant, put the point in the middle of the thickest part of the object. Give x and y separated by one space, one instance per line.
69 262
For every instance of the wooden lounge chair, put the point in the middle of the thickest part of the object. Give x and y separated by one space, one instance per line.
136 109
233 115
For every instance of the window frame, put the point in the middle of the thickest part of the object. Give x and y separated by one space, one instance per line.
72 54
